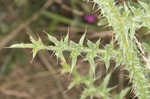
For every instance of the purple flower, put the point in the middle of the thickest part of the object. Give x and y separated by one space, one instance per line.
90 18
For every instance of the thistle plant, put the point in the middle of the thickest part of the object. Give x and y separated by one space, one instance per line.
124 19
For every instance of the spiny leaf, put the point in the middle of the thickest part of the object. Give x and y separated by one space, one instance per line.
66 39
144 5
106 80
77 80
53 39
90 58
85 93
74 56
103 22
98 43
59 54
34 50
73 44
122 94
32 39
90 44
82 39
102 89
107 55
21 45
66 67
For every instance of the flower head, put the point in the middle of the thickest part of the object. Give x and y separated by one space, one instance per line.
90 18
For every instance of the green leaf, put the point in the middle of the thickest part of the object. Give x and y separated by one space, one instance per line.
103 89
66 39
102 21
53 39
74 56
66 67
98 43
82 39
32 39
34 51
90 58
90 44
76 81
21 45
85 93
144 5
122 94
59 54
